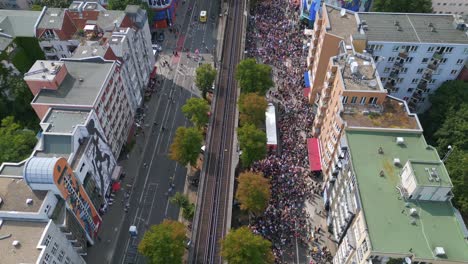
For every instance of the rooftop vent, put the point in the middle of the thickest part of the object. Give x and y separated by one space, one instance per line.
81 79
29 201
396 23
382 173
413 212
439 251
365 27
433 175
400 140
364 22
16 243
397 162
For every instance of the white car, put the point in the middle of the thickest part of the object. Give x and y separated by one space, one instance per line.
157 47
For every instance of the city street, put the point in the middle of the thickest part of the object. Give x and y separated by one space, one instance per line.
149 171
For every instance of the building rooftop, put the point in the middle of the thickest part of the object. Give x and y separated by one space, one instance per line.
358 72
64 121
422 173
43 70
341 26
86 51
424 28
16 23
52 18
392 114
14 193
81 86
28 234
12 169
386 213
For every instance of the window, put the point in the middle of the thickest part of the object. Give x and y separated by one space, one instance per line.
405 98
383 79
415 80
386 70
444 60
47 240
420 70
430 49
410 90
396 48
432 81
391 59
60 256
373 100
47 257
363 100
453 72
344 99
404 70
54 249
409 59
67 260
400 80
460 61
353 99
424 60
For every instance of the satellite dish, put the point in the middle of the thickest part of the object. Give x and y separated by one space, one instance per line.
343 12
408 260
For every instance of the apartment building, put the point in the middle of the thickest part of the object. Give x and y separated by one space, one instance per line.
86 30
84 85
414 53
450 7
387 193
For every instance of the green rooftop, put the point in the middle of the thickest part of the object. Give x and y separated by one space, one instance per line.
388 218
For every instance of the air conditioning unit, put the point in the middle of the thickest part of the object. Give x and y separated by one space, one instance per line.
439 251
397 162
400 140
413 212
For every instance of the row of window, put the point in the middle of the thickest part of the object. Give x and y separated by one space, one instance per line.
362 101
50 258
413 48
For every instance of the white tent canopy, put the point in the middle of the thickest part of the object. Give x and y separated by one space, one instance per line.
270 124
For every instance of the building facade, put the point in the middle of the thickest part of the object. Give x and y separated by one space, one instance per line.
410 68
164 12
450 7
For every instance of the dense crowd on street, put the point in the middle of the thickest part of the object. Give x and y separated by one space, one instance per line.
274 38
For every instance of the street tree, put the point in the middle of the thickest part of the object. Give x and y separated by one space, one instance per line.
241 246
197 109
252 143
204 78
16 143
253 77
186 145
164 243
252 109
182 201
403 6
253 192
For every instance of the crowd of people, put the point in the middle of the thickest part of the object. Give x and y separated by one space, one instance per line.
275 38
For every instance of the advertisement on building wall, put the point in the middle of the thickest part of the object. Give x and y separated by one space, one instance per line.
102 159
76 198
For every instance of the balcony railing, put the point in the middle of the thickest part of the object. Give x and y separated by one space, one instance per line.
432 66
418 96
397 65
422 85
402 53
437 56
427 76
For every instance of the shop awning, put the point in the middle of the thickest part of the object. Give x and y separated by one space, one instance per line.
116 186
314 154
306 79
306 92
116 173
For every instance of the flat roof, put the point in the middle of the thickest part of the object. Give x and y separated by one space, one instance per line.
412 28
387 216
43 70
393 115
12 169
28 234
65 121
14 193
81 86
52 18
84 51
422 170
341 26
358 71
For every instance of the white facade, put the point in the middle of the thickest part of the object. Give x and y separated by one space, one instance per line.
55 49
450 7
56 248
415 65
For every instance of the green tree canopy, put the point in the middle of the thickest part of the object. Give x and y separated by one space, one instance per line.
403 6
186 146
204 78
252 109
253 77
164 243
181 200
241 246
196 109
16 144
253 144
253 192
52 3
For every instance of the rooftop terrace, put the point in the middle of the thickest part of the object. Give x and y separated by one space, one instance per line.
81 86
28 234
65 121
14 193
424 28
387 216
341 26
358 72
392 114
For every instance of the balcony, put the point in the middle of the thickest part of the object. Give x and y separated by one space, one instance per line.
432 65
402 53
394 74
417 95
422 85
389 86
437 56
427 76
397 65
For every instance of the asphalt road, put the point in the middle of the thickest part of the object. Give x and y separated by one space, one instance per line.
150 173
